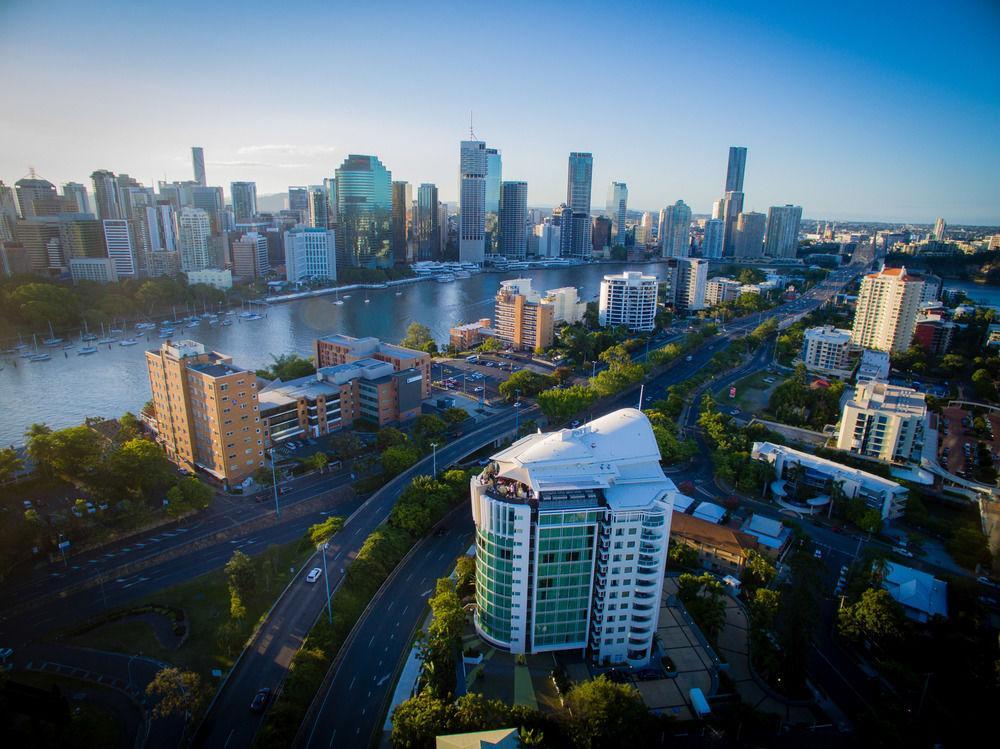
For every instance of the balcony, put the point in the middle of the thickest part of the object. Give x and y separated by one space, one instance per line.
647 570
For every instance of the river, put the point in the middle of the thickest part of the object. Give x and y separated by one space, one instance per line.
64 391
979 293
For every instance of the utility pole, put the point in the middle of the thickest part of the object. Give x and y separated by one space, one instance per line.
434 458
274 483
326 579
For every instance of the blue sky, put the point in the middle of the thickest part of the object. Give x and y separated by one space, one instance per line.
868 110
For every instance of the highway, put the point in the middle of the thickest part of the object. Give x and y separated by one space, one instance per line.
265 662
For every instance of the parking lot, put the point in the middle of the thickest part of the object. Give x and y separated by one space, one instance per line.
479 379
959 440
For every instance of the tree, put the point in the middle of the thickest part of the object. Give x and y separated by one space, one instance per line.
529 383
605 714
758 570
10 464
287 367
453 416
875 616
419 337
489 344
176 692
618 252
317 461
465 572
241 575
559 404
427 428
418 720
982 384
129 427
139 466
683 555
73 452
398 458
703 596
320 533
390 436
188 494
764 606
563 375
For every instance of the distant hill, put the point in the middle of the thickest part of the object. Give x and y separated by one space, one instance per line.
272 203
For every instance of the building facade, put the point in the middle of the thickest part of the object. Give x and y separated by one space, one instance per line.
522 319
617 207
782 236
472 201
886 311
571 539
749 238
628 299
244 196
827 350
364 206
883 421
675 230
310 254
194 232
207 413
720 290
249 256
711 243
513 220
691 285
334 350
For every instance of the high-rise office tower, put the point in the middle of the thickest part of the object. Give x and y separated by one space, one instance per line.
711 243
194 230
675 230
939 229
37 197
319 207
249 254
120 243
244 195
616 207
106 195
494 176
472 201
578 181
886 312
198 163
428 225
330 185
514 220
364 208
310 254
731 206
76 197
737 166
402 197
8 212
750 229
298 201
782 236
210 200
571 541
159 226
600 231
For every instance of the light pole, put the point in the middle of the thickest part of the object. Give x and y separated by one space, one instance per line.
326 580
274 483
434 457
642 389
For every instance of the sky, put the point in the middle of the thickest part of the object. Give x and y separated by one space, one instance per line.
855 110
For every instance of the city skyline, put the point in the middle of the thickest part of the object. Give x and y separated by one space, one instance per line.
832 123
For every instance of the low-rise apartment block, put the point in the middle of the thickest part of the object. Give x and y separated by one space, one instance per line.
720 548
337 349
469 335
721 290
522 319
883 421
792 467
336 396
827 350
207 412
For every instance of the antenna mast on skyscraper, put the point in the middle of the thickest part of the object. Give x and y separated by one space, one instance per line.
472 134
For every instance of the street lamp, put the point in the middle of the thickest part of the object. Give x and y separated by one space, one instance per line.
326 580
274 483
434 457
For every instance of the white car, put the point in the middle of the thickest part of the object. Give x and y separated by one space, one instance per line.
903 552
314 575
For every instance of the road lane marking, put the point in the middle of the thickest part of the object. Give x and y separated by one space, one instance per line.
351 685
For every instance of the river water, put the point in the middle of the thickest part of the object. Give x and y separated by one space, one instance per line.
64 391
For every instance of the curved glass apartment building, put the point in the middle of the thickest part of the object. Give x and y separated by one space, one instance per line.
571 541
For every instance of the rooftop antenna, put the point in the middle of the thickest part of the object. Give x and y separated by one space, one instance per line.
31 172
472 134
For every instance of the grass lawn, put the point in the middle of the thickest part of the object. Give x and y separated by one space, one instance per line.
214 638
752 393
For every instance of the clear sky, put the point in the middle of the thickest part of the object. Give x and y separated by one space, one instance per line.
869 110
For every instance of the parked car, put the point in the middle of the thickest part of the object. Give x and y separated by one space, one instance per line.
314 575
648 674
903 552
983 580
259 702
818 554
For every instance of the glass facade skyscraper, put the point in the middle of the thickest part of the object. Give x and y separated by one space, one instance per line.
513 220
578 181
737 166
472 170
428 225
364 208
494 176
616 207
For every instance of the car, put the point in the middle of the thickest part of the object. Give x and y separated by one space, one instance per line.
574 424
478 389
314 575
259 702
903 552
648 674
988 600
284 489
818 554
983 580
736 412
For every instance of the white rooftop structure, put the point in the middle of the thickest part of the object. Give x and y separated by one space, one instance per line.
921 595
874 365
768 531
709 511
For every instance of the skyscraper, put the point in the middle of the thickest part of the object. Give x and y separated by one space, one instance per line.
37 197
120 244
749 240
886 311
691 284
616 208
427 223
939 229
628 299
249 254
731 206
8 212
494 176
513 220
319 207
194 229
106 195
402 197
244 195
210 200
76 196
298 201
675 230
310 253
711 244
578 181
782 236
737 166
472 201
198 162
364 207
553 514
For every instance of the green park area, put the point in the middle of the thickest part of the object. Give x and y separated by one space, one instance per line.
752 393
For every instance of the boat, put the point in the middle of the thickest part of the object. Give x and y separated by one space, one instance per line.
39 357
52 340
105 340
86 335
227 321
399 293
127 342
367 300
86 350
336 299
166 332
445 278
116 331
193 324
145 326
347 296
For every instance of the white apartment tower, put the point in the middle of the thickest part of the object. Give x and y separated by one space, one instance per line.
310 253
692 283
826 349
675 230
884 421
194 230
472 201
571 541
886 312
121 247
628 299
